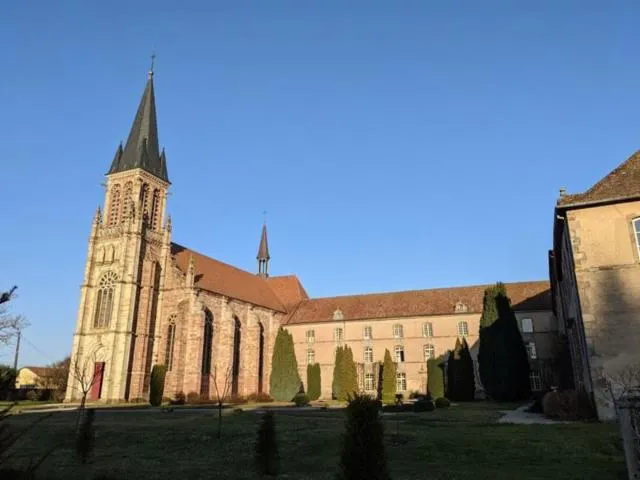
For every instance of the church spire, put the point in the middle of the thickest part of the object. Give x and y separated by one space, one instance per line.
263 253
142 149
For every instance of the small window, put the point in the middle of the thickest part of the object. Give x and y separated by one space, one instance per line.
536 382
337 334
531 350
398 331
368 355
427 330
636 229
527 325
401 381
368 382
311 336
399 352
463 329
311 356
429 352
171 340
367 333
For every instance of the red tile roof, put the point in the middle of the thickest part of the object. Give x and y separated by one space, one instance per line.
621 184
218 277
41 371
525 296
288 289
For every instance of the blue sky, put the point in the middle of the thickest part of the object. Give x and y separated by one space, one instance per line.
395 145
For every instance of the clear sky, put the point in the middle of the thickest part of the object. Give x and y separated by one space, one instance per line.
395 145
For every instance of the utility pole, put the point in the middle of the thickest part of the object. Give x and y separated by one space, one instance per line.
15 359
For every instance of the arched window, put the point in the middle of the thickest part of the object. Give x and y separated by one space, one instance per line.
207 342
636 230
114 206
171 340
104 300
463 329
155 208
235 366
126 200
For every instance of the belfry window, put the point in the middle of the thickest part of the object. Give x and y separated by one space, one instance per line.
104 300
114 206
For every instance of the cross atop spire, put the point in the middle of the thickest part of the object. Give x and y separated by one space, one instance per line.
263 252
142 149
153 60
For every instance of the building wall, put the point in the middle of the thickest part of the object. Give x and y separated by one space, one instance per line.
27 378
607 270
445 333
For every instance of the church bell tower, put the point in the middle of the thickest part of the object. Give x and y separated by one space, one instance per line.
129 247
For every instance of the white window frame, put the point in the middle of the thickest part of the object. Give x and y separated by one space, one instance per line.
535 381
367 332
527 322
398 330
463 332
531 350
368 355
311 336
429 351
635 223
338 334
401 382
369 377
398 353
311 356
427 329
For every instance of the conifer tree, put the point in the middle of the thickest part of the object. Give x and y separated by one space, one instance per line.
435 378
489 339
388 379
285 381
338 374
467 385
453 372
158 373
314 382
350 385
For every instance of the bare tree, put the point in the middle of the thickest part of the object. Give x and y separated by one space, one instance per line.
55 377
222 388
621 380
82 371
9 324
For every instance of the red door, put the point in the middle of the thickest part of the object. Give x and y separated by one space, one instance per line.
96 387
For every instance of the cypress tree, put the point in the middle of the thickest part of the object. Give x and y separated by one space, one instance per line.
467 384
338 374
350 385
285 381
388 379
488 362
435 378
314 383
158 373
453 372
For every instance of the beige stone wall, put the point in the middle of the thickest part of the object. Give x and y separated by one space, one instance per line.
607 269
444 330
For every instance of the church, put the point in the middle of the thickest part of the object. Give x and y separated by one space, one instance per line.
147 300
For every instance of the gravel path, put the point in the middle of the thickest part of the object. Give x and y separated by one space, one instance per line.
521 417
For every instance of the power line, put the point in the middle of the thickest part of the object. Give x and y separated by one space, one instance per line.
37 349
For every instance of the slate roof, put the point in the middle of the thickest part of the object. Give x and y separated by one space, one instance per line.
525 296
263 248
142 149
623 183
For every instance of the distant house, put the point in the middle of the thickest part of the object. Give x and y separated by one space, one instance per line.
34 377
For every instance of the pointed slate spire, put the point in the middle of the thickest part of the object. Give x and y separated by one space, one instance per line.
142 149
263 253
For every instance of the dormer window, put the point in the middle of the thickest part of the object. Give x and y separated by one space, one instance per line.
338 315
461 308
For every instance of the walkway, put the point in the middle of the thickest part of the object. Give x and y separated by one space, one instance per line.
521 417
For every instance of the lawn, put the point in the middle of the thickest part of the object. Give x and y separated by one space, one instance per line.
462 442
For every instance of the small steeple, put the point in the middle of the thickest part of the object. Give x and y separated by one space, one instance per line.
142 149
263 253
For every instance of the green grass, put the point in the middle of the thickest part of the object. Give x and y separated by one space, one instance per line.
462 442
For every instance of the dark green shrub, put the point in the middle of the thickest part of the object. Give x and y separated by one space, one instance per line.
158 373
442 402
350 385
285 381
32 396
363 455
301 400
435 378
259 398
179 399
85 438
193 398
388 379
267 460
569 405
415 394
7 380
338 374
423 405
231 399
314 383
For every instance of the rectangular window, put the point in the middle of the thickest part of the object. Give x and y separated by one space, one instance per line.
337 334
427 330
368 382
368 355
536 382
401 381
311 336
398 331
399 352
531 350
429 352
311 357
463 329
366 333
527 325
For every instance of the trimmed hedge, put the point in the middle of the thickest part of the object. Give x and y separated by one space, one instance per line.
435 378
285 381
388 379
158 373
314 381
442 402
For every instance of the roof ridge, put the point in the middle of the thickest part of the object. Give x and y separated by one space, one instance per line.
216 260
